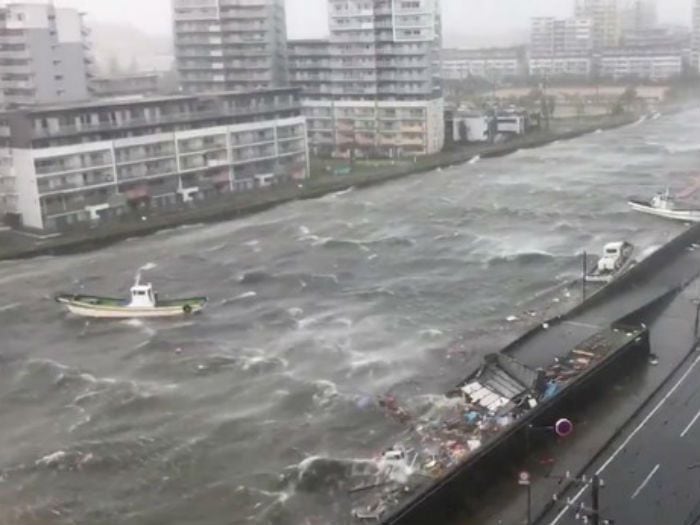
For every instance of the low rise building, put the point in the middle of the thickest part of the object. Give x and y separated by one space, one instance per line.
641 63
68 164
471 126
375 128
579 66
491 63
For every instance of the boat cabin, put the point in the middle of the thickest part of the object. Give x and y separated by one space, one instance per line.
663 201
143 296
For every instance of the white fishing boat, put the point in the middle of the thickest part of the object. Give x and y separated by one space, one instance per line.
617 258
664 205
144 302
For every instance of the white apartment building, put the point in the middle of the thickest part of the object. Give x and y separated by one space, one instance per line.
605 16
561 66
44 54
653 64
382 59
64 165
560 37
491 64
230 45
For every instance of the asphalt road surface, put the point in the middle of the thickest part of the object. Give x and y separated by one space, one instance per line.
651 473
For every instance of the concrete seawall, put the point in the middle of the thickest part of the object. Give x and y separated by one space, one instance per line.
460 491
243 204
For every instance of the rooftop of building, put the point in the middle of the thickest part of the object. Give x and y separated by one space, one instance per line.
126 76
114 102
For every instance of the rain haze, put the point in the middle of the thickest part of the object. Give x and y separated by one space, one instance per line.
467 22
416 262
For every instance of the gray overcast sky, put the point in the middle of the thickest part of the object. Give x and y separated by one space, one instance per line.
307 18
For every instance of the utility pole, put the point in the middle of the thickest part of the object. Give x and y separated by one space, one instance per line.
585 271
595 500
587 515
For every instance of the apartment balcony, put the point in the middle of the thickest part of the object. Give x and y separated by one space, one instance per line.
71 203
54 168
261 26
238 14
15 54
12 40
146 170
414 128
296 145
190 14
46 188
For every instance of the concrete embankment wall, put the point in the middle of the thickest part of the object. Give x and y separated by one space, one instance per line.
240 205
463 487
460 491
636 276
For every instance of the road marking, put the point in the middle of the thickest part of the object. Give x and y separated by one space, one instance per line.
612 457
646 480
692 422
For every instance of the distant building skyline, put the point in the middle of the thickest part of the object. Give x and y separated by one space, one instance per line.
308 18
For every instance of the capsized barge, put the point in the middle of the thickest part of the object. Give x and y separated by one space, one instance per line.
440 470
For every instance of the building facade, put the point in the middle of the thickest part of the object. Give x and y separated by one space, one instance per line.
126 85
641 63
561 37
373 88
492 64
606 20
639 15
695 45
561 66
230 45
64 165
44 54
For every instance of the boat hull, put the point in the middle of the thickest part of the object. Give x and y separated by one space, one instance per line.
90 307
606 278
676 215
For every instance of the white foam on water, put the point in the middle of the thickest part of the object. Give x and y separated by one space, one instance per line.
8 307
51 459
344 192
246 295
431 333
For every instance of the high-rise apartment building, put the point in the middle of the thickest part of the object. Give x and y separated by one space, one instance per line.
605 16
639 15
230 45
373 88
44 54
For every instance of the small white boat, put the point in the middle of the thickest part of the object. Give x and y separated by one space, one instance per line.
617 258
663 205
144 302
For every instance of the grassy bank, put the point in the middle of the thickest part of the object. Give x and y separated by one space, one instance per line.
17 246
